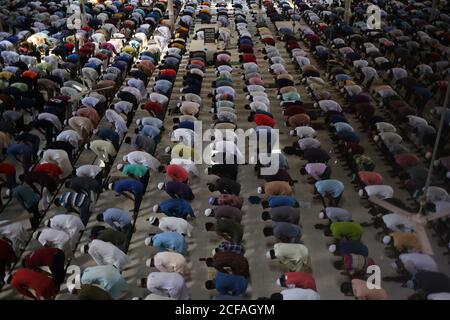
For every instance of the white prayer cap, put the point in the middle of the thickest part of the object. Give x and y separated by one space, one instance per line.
332 248
161 185
321 215
387 239
208 212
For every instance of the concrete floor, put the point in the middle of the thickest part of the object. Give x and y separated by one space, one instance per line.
264 273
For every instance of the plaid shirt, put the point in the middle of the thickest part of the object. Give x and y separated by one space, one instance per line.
226 246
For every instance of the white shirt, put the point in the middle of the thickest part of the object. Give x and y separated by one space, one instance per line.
414 262
415 121
16 232
68 223
54 238
258 105
144 158
169 284
390 138
52 118
329 105
105 253
152 121
119 122
88 170
305 132
90 101
382 191
439 296
385 127
59 157
307 143
123 107
168 224
227 147
184 135
170 262
396 222
157 97
300 294
70 136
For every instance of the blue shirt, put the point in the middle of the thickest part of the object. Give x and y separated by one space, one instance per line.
331 187
172 241
343 126
176 208
186 125
352 246
18 149
26 196
179 190
134 186
110 135
108 277
230 284
114 217
149 131
279 201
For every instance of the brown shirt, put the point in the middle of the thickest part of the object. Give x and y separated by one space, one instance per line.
237 263
362 292
277 188
406 241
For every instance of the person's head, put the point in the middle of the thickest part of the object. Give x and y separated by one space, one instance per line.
21 177
150 263
100 217
260 190
138 122
161 186
176 120
209 285
142 283
148 241
266 215
111 186
276 296
303 171
153 221
332 248
265 204
209 226
378 222
327 232
211 187
322 215
268 231
212 201
347 289
48 223
156 208
136 131
270 254
87 146
84 249
209 262
387 240
37 234
209 212
281 281
57 202
161 168
127 141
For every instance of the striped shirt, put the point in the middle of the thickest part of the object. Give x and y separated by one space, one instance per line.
72 199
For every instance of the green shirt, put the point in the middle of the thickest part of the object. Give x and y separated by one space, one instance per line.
136 170
347 229
233 229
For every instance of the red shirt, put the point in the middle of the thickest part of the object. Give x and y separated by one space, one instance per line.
269 41
177 173
263 120
24 279
406 160
302 280
293 110
41 257
51 169
370 178
168 72
354 148
7 254
153 106
248 57
246 48
7 169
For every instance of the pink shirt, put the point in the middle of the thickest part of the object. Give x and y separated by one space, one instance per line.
315 170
